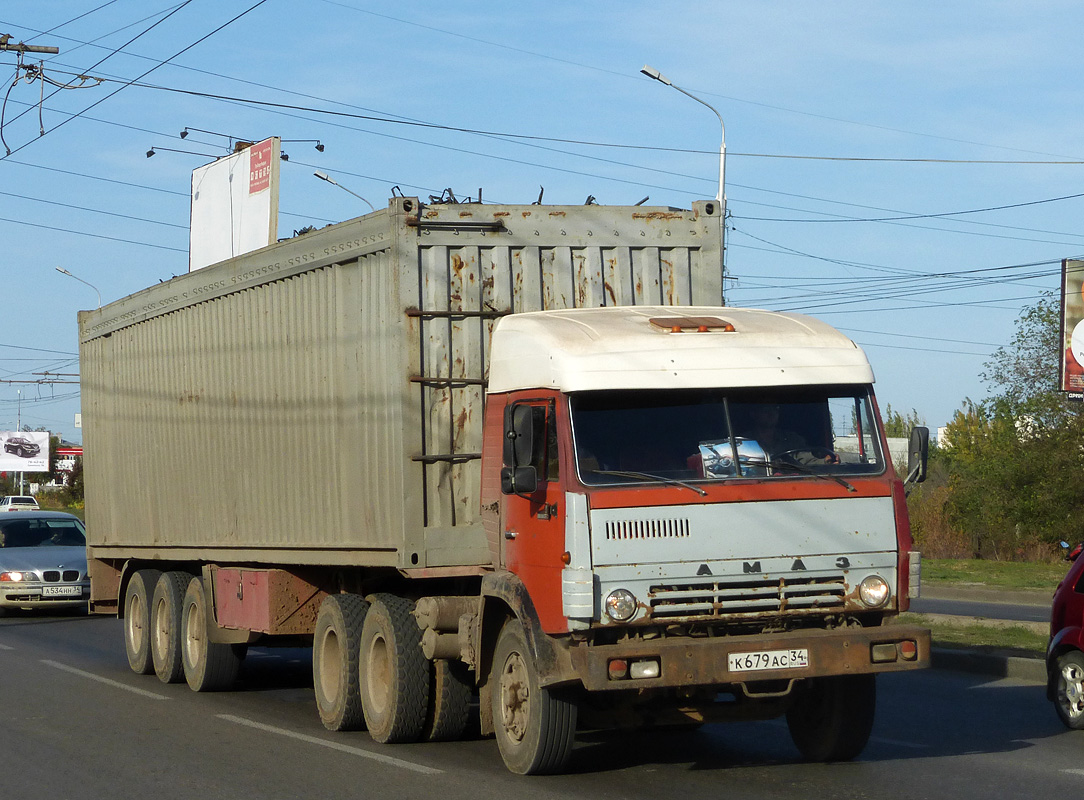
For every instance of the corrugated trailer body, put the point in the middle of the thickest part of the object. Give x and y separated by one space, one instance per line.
320 401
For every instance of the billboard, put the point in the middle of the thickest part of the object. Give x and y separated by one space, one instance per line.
1072 328
235 205
27 451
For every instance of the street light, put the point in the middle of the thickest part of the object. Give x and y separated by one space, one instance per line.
653 73
325 177
91 285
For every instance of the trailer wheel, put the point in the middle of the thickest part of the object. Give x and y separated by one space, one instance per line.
137 620
535 727
335 648
394 672
208 666
832 718
166 626
450 694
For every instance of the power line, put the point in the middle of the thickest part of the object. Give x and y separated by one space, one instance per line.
152 69
91 235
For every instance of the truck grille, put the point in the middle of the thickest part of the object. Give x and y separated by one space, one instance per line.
647 529
718 599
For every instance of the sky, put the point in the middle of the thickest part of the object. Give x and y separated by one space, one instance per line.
910 173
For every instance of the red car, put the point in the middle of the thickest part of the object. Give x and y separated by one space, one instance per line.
1065 653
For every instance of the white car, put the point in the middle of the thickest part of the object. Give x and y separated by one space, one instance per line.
16 502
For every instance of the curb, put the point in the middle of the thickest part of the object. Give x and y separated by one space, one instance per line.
977 662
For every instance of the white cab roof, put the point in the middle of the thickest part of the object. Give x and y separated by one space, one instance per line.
588 349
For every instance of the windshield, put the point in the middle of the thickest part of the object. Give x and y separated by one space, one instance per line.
702 434
41 532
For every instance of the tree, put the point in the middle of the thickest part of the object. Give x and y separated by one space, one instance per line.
899 425
1016 460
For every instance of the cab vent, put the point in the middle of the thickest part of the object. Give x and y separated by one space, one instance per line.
647 529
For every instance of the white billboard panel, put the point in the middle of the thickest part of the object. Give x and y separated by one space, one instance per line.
1072 328
235 204
24 452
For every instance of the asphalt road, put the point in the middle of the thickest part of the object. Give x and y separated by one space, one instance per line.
79 724
973 608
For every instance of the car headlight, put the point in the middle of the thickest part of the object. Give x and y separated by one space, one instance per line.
873 591
620 605
17 577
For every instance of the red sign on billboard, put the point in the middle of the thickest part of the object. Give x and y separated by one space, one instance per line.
259 166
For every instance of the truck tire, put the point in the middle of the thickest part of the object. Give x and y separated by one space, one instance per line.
450 694
832 718
394 672
166 626
208 666
1069 689
137 620
335 672
535 727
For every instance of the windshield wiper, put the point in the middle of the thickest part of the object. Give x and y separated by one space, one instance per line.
647 476
805 470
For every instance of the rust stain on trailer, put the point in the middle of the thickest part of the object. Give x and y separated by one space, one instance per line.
558 213
654 215
190 397
608 288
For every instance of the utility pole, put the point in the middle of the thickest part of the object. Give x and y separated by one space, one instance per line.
19 47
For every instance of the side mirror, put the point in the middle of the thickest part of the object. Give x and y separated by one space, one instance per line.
918 453
518 475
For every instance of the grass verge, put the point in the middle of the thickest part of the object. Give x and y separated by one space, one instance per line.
1012 638
1011 575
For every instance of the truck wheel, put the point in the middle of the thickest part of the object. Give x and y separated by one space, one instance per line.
394 672
1069 689
166 626
335 670
535 728
137 620
208 666
450 694
832 718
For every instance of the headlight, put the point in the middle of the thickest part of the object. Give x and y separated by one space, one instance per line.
873 591
620 605
18 577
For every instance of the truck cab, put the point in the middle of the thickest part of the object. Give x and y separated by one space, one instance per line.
699 501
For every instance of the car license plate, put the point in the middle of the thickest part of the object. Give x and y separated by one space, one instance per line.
767 659
61 591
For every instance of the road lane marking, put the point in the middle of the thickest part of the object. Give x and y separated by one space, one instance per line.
6 647
342 748
106 681
1073 771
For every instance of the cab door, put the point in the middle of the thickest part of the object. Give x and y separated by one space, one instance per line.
533 525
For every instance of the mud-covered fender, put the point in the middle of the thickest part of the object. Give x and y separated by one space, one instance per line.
504 595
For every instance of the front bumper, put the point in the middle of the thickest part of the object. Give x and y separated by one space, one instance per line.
34 594
701 662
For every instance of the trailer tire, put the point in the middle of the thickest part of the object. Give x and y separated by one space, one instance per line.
450 694
535 727
832 718
208 666
335 671
394 672
137 620
166 626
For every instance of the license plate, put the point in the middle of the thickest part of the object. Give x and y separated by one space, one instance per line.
767 659
61 591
